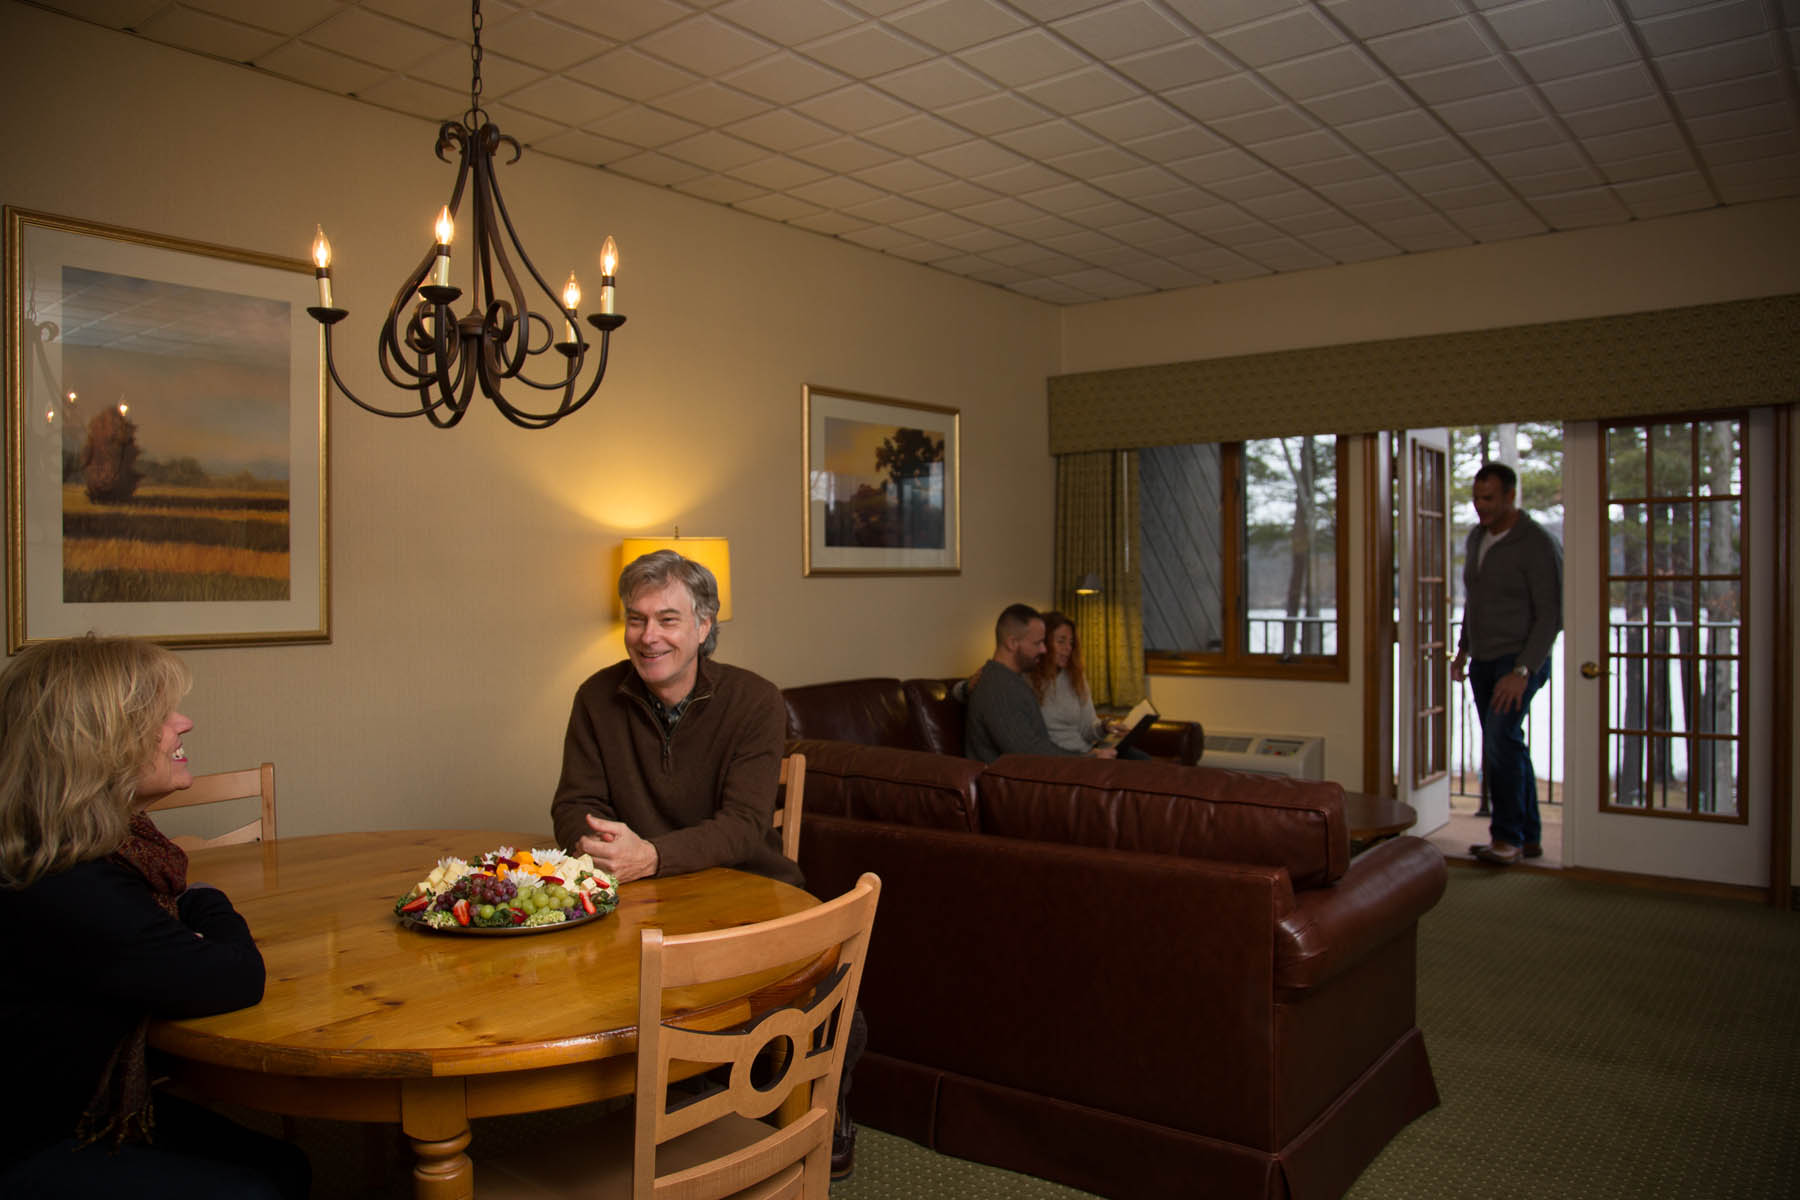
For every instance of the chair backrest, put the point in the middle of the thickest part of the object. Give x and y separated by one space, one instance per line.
814 1031
222 786
787 814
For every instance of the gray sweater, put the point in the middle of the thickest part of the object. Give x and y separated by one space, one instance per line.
1004 718
1513 600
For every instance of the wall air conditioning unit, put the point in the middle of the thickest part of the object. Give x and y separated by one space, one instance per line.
1297 756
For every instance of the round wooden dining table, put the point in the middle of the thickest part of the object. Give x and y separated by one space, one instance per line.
364 1019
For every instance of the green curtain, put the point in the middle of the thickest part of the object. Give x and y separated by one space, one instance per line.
1097 533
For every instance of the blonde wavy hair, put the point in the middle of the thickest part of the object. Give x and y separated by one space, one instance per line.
80 720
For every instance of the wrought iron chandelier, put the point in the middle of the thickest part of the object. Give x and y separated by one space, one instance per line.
426 348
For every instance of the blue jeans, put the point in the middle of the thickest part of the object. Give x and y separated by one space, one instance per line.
1505 759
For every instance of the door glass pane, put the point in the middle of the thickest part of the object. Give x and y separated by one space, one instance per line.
1671 459
1671 538
1628 539
1625 461
1719 457
1721 537
1720 616
1715 776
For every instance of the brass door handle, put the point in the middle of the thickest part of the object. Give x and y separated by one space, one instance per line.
1591 670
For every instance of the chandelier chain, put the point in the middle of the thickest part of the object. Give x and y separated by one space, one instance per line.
475 23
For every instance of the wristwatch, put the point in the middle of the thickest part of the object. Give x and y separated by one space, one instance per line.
1522 671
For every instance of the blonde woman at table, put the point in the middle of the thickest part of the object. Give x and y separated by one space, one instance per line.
104 933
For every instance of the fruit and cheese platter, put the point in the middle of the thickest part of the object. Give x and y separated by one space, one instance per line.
507 891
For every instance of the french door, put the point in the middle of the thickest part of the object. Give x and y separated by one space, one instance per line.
1668 540
1423 628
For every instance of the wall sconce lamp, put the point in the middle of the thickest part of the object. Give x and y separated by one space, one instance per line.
1089 585
713 553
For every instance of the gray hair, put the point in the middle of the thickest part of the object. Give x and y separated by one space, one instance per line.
657 568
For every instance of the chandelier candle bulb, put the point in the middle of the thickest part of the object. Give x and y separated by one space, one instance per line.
446 229
609 267
571 302
321 251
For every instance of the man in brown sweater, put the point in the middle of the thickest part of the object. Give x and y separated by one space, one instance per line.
671 760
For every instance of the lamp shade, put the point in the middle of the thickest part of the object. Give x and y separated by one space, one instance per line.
1089 585
713 553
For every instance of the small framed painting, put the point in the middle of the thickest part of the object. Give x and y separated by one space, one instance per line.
166 439
883 485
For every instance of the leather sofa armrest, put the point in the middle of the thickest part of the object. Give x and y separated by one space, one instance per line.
1331 929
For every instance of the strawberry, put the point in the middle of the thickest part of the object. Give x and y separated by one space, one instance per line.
587 902
460 910
518 916
416 904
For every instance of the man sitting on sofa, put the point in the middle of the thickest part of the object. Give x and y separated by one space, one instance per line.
1003 713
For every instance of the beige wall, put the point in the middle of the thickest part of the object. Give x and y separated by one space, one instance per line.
1719 255
470 565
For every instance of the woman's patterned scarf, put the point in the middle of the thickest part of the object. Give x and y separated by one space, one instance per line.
120 1109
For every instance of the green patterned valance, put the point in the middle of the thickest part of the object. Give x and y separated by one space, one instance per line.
1743 353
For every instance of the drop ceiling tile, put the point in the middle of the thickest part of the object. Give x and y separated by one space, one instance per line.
1016 181
775 207
781 130
865 51
785 78
1048 140
1314 222
1650 166
278 16
1175 66
940 81
1360 104
1579 56
854 108
845 155
1128 27
1507 138
324 69
1164 276
1219 98
1771 146
528 128
421 99
713 150
1419 154
998 113
1630 143
1524 25
1536 160
1580 210
630 73
643 126
967 160
204 33
980 240
1572 180
1066 198
1104 285
1373 18
1617 86
1397 130
556 98
1491 111
836 192
902 175
1105 215
1256 186
1081 242
787 21
952 25
957 193
620 20
1279 38
1145 232
1223 223
720 189
825 221
705 45
1406 230
1715 64
1284 254
1764 179
1209 16
1312 146
924 252
1179 143
1268 125
1362 191
1101 160
1293 202
1335 70
1023 58
1209 169
542 43
1080 91
1139 118
1376 214
1029 251
1332 170
916 134
885 210
584 148
1685 187
658 169
1431 47
382 40
1139 181
936 226
778 173
1704 27
1735 93
1477 78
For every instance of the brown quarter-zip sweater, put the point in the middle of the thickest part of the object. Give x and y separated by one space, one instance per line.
703 795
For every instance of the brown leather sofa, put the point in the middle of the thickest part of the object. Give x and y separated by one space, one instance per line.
923 714
1137 979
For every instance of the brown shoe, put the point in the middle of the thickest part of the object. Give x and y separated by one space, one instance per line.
843 1144
1533 850
1497 858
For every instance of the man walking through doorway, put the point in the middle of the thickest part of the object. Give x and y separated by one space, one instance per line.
1512 612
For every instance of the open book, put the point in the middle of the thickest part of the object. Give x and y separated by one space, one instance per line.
1136 721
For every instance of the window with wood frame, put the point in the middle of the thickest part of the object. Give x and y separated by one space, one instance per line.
1243 561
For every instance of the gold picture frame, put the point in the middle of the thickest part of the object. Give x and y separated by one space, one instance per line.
883 485
167 466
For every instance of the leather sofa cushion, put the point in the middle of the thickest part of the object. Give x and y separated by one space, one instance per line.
873 712
1194 812
880 783
938 717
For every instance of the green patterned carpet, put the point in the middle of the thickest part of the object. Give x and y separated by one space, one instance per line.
1589 1040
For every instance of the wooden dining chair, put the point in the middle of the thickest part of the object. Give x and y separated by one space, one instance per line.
219 787
707 1138
787 815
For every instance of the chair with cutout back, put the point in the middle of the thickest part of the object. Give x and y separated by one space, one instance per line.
706 1139
787 816
219 787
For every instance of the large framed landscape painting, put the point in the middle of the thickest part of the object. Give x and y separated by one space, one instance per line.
883 488
165 439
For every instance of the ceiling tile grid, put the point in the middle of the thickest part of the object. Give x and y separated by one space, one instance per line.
1082 150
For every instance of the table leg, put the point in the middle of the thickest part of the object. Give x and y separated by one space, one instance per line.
435 1115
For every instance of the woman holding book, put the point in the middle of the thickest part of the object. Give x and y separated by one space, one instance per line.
1063 695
